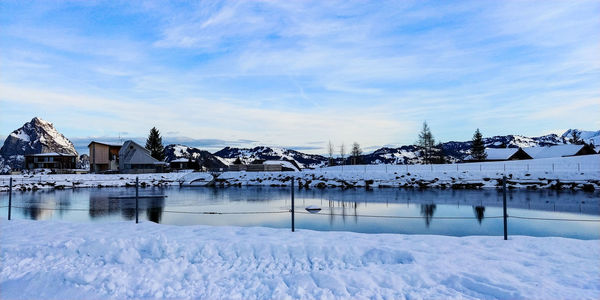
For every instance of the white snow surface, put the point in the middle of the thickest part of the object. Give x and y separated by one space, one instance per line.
577 171
124 260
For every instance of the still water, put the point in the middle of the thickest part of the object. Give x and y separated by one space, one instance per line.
445 212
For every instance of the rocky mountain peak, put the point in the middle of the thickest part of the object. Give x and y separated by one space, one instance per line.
35 136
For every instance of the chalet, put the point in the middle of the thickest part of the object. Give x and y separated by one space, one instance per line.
133 158
104 157
501 154
55 161
181 164
559 151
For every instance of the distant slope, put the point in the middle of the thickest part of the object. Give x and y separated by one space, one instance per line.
272 153
203 157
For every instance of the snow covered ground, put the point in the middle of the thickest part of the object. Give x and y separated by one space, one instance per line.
579 172
59 260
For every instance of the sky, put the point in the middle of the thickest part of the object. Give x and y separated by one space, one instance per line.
298 74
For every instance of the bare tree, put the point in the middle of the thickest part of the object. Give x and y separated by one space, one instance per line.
356 152
330 150
343 152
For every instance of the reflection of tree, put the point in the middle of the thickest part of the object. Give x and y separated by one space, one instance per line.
427 211
479 213
154 209
33 212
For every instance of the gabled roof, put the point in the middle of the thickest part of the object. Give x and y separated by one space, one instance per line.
134 153
554 151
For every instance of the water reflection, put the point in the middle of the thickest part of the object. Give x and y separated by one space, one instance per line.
427 211
479 213
341 210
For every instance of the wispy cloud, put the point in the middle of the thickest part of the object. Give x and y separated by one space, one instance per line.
286 72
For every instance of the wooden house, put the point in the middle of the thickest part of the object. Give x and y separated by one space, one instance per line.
104 157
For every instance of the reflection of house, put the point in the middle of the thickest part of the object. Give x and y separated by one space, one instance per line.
559 151
104 156
50 161
500 154
134 158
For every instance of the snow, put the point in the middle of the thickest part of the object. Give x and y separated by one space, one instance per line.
572 172
283 163
21 135
53 154
124 260
553 151
564 172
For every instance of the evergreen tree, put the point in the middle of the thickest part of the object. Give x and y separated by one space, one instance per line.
356 153
154 144
576 138
478 147
426 143
438 155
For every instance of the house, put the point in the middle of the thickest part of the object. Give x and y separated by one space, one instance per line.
182 164
559 151
104 157
133 158
261 165
500 154
53 160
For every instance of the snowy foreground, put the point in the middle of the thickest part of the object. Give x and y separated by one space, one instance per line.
42 260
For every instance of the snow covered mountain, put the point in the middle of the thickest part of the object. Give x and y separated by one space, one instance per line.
271 153
35 136
587 136
204 158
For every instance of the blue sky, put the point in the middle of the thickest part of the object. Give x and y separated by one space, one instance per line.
300 73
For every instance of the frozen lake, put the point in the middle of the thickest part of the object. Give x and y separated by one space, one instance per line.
432 211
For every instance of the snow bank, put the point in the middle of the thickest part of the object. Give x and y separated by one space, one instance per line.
580 172
47 181
55 260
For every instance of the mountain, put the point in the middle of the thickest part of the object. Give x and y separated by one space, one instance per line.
587 136
35 136
271 153
457 151
204 158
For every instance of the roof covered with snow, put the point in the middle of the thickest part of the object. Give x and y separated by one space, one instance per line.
553 151
52 154
500 153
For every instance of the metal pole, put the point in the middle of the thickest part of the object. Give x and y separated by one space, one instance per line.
293 225
9 196
137 184
504 207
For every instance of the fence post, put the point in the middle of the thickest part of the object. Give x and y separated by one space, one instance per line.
504 207
9 196
553 167
137 184
293 225
578 167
